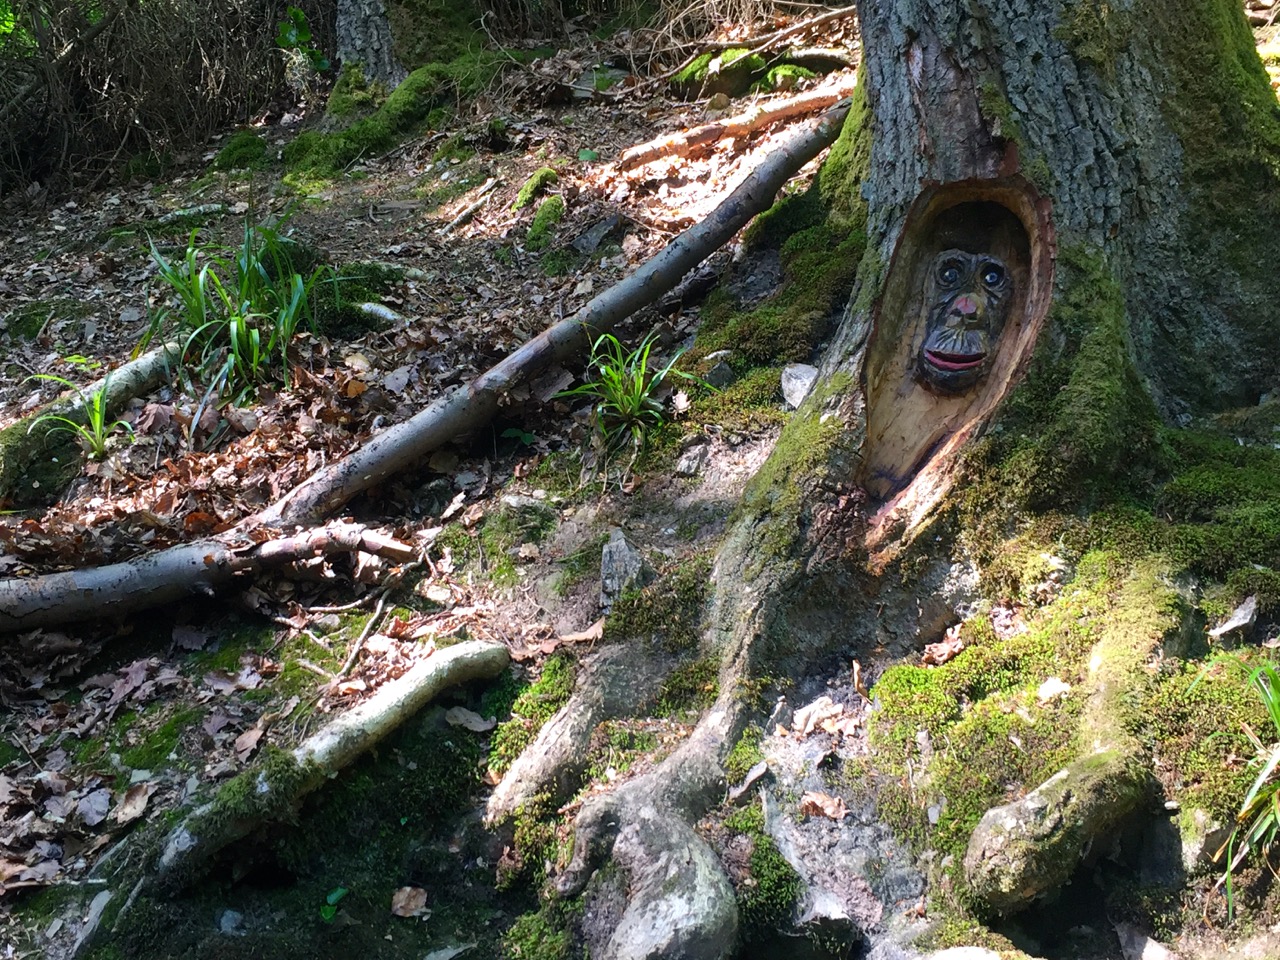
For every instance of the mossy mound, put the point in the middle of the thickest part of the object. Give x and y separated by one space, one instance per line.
354 96
731 72
538 181
245 150
550 212
413 105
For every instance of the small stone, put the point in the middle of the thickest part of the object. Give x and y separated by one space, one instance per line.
693 460
720 375
719 355
622 567
231 923
797 381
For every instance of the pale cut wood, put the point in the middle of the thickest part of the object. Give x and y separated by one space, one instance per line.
760 115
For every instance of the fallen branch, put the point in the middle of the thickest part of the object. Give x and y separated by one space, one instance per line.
26 603
272 788
468 407
170 575
471 209
753 119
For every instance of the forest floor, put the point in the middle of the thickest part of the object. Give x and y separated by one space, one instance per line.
108 725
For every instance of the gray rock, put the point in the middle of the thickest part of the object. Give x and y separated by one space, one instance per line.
231 923
720 375
693 460
797 381
622 567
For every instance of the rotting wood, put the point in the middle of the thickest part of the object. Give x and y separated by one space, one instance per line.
214 826
760 115
168 575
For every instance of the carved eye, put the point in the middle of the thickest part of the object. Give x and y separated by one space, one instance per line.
992 275
949 273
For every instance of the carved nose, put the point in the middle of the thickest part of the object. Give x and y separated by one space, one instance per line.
965 305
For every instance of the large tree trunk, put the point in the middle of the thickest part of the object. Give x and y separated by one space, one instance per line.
364 39
1120 160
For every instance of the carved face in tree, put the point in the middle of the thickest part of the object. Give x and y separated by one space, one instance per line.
968 301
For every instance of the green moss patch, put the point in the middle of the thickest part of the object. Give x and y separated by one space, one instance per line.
406 111
731 72
550 212
992 738
767 894
244 151
537 183
353 95
691 688
537 704
667 612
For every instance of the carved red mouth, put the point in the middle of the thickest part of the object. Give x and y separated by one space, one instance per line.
954 361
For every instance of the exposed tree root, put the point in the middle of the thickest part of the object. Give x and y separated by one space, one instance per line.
613 684
680 902
274 787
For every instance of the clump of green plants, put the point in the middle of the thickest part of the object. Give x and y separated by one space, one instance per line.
94 433
238 308
1258 822
624 394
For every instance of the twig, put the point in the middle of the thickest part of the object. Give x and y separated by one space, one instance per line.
470 210
370 625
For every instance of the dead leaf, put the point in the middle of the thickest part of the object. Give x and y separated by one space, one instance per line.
247 742
93 806
187 637
936 654
859 683
469 720
409 902
134 803
814 804
808 718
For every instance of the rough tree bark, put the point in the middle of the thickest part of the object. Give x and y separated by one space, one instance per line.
1121 157
364 38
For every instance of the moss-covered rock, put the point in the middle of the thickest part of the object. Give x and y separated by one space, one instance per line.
550 212
538 182
731 72
245 150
